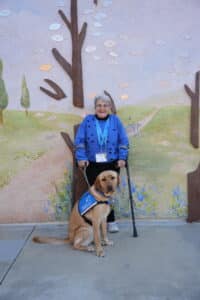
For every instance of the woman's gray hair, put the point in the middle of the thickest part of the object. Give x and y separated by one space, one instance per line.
103 98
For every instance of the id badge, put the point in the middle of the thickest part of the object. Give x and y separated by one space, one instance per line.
101 157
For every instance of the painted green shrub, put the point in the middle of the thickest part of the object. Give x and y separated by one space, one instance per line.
25 97
61 200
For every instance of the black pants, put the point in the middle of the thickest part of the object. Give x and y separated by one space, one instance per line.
94 169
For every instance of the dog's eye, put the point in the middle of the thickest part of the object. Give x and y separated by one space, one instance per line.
112 177
103 179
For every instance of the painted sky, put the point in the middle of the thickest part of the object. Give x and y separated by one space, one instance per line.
136 50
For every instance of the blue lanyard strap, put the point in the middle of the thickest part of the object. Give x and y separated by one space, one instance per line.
102 135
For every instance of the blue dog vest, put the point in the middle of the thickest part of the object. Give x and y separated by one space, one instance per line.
86 202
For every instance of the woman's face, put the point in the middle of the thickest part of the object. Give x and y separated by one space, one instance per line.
102 109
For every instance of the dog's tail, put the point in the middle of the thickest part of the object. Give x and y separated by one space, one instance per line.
50 240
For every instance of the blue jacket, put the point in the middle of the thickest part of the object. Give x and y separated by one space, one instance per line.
86 141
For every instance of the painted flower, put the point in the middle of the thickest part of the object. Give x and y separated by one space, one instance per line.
140 196
133 187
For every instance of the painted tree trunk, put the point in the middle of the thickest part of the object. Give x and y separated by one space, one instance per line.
79 185
194 115
73 69
193 182
77 74
1 117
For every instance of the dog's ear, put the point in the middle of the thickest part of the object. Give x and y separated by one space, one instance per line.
97 184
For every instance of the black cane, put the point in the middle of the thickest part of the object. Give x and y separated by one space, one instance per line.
131 200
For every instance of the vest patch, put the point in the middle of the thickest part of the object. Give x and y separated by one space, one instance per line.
86 202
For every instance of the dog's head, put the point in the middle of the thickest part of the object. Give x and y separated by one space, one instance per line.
106 182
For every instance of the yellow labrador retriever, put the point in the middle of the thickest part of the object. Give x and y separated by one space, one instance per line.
87 223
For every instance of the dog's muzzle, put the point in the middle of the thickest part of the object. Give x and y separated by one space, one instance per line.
110 189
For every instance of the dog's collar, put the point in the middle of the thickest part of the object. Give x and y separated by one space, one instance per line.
102 194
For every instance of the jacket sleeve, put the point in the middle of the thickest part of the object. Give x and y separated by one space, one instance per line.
123 141
80 142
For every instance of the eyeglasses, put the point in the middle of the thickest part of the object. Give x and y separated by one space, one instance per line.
102 105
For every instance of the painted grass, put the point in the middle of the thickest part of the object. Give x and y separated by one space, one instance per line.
160 158
164 142
24 139
134 114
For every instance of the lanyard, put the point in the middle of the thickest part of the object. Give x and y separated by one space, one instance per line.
102 135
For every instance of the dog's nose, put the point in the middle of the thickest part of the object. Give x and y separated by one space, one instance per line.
109 188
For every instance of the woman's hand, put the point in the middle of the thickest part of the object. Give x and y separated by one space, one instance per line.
83 163
121 163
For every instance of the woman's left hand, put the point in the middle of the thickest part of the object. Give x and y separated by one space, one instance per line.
121 163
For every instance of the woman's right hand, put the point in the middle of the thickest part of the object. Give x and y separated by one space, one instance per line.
83 163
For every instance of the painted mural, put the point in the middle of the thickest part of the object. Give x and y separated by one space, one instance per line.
55 56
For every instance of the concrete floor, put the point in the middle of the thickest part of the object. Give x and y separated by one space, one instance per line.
162 263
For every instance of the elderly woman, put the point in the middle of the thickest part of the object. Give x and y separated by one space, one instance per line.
102 144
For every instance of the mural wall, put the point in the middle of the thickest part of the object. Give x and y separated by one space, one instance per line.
55 56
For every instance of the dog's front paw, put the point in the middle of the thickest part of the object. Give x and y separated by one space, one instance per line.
91 248
107 243
100 252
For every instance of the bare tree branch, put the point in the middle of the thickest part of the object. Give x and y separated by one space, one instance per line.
63 62
113 107
82 34
189 91
64 18
59 92
68 141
